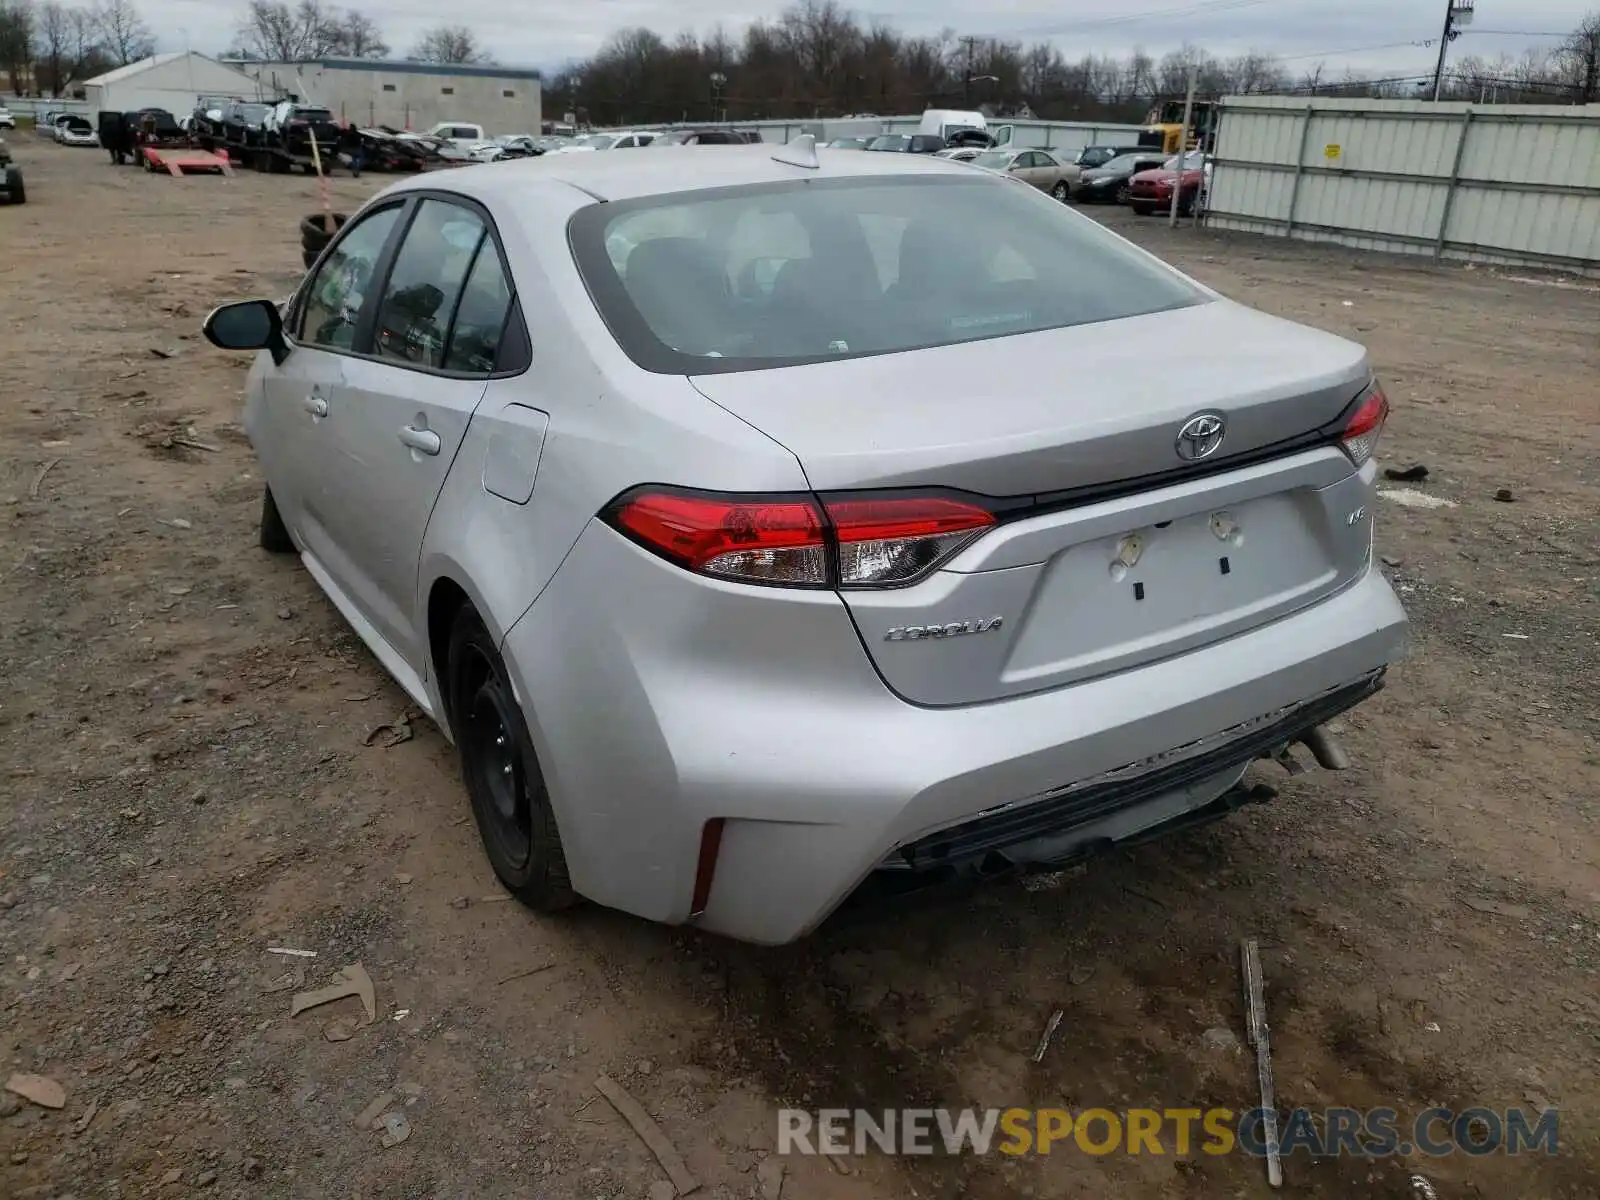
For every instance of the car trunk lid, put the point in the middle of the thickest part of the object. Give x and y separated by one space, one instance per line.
1113 550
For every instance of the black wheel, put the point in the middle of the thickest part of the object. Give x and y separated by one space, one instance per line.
1061 191
275 537
309 257
314 234
510 801
1122 194
19 195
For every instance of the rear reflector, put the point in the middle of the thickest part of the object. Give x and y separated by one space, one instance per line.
1360 436
705 870
885 540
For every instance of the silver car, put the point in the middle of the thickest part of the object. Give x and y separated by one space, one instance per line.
756 533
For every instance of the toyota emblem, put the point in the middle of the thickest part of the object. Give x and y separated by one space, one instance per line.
1200 436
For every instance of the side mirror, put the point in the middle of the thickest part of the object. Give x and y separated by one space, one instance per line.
247 325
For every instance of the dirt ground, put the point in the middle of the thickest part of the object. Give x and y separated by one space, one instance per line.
185 784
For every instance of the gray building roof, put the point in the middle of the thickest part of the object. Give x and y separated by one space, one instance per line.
478 70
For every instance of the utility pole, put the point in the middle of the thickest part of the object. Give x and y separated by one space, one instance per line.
970 43
1183 142
1456 12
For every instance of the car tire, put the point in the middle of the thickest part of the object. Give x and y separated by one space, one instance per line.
1061 191
1123 193
313 234
309 257
510 800
274 534
19 194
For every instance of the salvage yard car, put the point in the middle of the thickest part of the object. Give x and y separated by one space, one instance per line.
75 131
1041 168
1110 183
1150 191
12 190
746 532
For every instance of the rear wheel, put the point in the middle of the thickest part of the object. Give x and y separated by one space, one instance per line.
1060 191
1122 194
274 536
309 257
510 801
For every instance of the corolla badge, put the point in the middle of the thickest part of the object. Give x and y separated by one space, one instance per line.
917 633
1200 436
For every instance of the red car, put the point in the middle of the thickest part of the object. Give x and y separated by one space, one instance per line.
1151 191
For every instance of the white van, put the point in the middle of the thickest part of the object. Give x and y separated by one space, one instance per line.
942 122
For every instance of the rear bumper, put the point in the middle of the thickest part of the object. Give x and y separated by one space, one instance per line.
659 701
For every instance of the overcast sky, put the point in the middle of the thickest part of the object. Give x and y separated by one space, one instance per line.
1371 35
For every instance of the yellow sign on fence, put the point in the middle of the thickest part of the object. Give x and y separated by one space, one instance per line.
1332 151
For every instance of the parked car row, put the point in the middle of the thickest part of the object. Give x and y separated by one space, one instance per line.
1143 180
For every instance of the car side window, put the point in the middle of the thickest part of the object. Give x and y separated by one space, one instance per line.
426 282
335 296
481 316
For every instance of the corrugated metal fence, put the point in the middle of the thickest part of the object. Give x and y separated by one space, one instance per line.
1499 183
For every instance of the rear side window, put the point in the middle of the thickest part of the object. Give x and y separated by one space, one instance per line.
737 279
426 282
480 317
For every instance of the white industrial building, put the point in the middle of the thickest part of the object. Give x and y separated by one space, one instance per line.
408 95
176 82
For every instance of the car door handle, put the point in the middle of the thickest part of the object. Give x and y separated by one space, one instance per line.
424 440
316 406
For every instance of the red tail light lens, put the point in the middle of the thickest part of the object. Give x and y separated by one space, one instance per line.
754 539
799 541
1360 436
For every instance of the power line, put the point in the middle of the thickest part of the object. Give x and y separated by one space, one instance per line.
1516 32
1423 42
1203 8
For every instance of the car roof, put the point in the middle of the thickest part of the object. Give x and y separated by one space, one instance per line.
626 176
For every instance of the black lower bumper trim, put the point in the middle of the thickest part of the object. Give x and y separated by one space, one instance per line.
974 839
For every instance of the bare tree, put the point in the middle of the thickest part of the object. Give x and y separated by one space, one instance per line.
88 55
123 33
449 44
1580 58
53 48
16 40
274 31
356 35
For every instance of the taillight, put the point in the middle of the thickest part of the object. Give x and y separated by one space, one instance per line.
893 540
1360 436
800 540
755 539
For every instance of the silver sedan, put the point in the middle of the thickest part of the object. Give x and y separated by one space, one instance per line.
738 529
1041 168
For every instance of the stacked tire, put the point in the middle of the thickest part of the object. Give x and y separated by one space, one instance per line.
316 231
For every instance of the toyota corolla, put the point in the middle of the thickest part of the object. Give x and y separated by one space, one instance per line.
752 534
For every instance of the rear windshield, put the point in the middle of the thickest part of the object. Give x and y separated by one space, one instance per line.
738 279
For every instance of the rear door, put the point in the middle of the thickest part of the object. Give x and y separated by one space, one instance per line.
404 407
